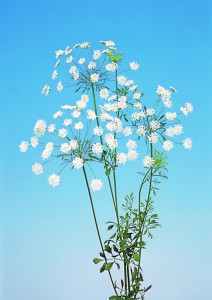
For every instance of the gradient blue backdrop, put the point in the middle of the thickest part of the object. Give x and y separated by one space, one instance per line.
48 238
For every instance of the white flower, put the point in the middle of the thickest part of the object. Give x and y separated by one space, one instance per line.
54 74
131 144
46 153
97 148
132 154
170 116
141 130
69 59
57 114
65 148
51 128
96 54
40 128
154 125
91 114
82 103
78 125
54 180
110 141
67 51
58 53
59 86
133 88
170 131
77 162
150 112
110 126
134 65
148 162
76 75
121 158
67 107
127 131
91 65
81 61
178 129
138 105
184 111
111 67
106 117
67 122
167 145
129 82
167 103
85 45
94 77
49 146
121 79
37 169
153 137
73 144
111 98
96 184
24 146
76 114
34 141
137 96
73 70
104 93
97 131
187 143
108 43
62 133
189 107
46 89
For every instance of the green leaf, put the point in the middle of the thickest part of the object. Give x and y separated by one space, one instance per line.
110 227
135 256
103 268
108 249
107 172
97 260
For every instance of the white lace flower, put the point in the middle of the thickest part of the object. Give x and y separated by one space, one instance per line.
76 75
40 128
127 131
167 103
81 61
67 50
76 114
58 53
24 146
73 70
111 98
46 153
62 133
91 114
129 82
34 142
111 67
121 158
49 146
154 125
168 145
78 125
153 137
94 77
184 111
132 154
85 45
137 96
148 161
138 105
69 59
104 93
134 65
178 129
57 114
121 79
73 144
170 132
96 54
187 143
77 162
91 65
51 128
131 144
46 89
59 86
170 116
111 141
54 74
141 130
150 112
65 148
97 148
96 184
189 107
54 180
67 122
37 169
97 131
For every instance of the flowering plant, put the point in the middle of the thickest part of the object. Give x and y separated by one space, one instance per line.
108 126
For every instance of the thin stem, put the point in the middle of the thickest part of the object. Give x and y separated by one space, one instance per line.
96 224
128 278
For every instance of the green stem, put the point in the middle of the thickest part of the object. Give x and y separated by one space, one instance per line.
96 224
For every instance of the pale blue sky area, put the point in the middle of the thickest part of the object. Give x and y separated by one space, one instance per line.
48 239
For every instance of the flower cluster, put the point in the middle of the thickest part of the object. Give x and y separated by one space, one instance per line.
109 121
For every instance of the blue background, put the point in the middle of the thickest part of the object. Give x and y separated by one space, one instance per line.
48 238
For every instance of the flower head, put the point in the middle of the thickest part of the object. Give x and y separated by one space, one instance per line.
96 184
24 146
54 180
37 169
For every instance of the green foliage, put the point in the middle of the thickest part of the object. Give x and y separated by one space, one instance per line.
115 56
